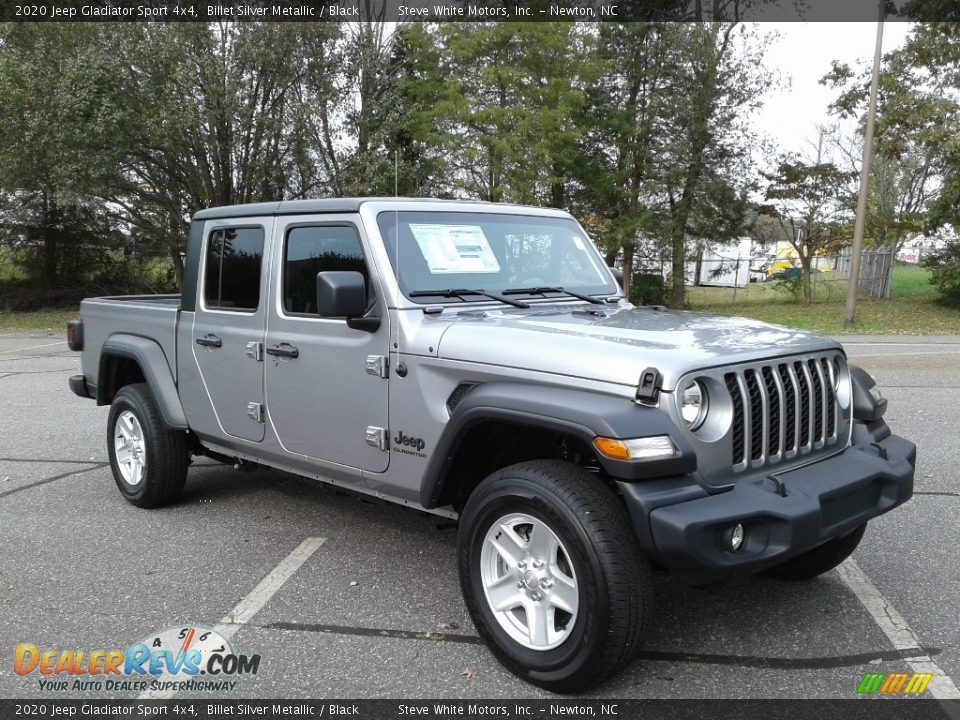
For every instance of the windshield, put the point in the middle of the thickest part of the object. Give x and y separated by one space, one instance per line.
494 252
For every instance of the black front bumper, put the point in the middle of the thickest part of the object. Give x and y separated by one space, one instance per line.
684 529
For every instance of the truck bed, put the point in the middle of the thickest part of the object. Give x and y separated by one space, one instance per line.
150 316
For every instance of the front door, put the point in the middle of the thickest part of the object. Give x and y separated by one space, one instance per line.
326 393
229 324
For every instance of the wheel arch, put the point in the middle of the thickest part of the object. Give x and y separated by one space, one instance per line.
530 416
127 359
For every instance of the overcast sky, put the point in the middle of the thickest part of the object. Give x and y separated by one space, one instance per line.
802 54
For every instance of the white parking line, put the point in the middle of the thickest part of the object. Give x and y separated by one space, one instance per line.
898 632
258 597
32 347
250 605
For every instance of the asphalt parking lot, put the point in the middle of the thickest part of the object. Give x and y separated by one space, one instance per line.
351 598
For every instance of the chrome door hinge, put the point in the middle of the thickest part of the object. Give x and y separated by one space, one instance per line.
377 437
255 351
255 412
377 365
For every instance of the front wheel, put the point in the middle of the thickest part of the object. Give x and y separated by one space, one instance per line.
149 460
552 574
821 559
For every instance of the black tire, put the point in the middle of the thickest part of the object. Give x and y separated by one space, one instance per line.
821 559
167 451
613 577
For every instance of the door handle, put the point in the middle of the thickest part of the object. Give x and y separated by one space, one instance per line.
210 341
283 350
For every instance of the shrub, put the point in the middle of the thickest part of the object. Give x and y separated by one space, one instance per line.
648 289
945 272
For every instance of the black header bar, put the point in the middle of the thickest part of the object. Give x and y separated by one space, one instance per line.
502 709
470 10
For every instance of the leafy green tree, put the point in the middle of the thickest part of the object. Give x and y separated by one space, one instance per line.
625 118
910 149
368 103
506 120
918 141
945 272
717 82
811 202
217 115
666 157
57 106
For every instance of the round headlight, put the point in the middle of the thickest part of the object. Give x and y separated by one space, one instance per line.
693 404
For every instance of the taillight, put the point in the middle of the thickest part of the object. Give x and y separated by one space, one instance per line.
75 335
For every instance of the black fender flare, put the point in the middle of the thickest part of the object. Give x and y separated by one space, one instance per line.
584 415
153 363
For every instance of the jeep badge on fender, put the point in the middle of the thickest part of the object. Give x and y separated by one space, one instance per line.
416 443
579 440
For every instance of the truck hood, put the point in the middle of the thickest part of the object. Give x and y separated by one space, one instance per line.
616 344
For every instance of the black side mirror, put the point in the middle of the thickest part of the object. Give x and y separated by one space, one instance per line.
617 275
343 294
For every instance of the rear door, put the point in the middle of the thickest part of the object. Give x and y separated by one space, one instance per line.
229 323
326 382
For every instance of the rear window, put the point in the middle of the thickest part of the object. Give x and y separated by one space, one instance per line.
232 277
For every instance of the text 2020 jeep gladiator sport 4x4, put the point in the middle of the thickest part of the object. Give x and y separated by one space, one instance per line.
479 361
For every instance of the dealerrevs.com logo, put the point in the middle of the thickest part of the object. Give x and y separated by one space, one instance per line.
894 683
190 658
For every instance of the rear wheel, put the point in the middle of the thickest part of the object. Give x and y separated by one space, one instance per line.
821 559
149 461
552 574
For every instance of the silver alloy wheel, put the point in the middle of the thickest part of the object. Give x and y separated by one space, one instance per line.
529 581
130 447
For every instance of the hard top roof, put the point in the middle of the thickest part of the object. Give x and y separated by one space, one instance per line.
329 205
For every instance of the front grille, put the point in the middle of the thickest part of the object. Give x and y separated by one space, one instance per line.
782 410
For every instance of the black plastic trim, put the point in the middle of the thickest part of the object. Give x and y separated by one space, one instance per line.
681 527
78 384
156 371
191 267
584 415
865 408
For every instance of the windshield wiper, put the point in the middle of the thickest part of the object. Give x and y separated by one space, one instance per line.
545 290
460 292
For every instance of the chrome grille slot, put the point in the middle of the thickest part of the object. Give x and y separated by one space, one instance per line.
782 410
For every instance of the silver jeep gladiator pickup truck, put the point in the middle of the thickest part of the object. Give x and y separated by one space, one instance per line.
479 361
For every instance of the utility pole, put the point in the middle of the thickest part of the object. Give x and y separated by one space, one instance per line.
864 178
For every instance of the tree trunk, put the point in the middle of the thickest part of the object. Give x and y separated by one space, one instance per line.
683 208
48 236
629 249
556 187
177 265
805 262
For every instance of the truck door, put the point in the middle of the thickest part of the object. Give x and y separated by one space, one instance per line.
326 383
229 323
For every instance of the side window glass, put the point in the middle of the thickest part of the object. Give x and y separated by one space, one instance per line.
232 277
314 249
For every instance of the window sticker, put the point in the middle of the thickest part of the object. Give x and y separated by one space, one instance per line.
578 243
455 249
